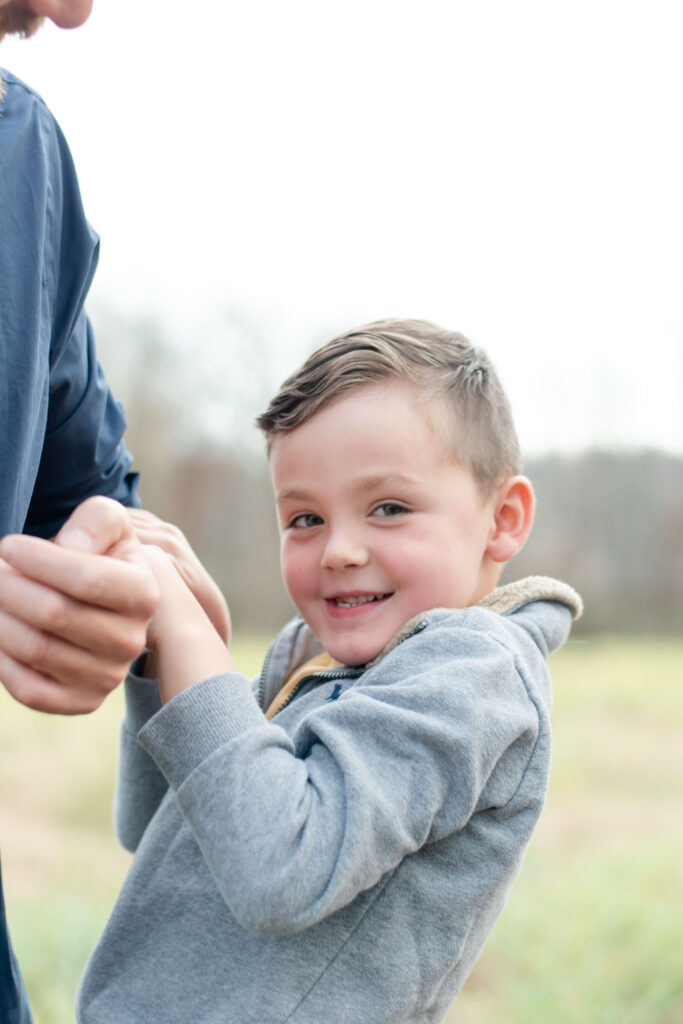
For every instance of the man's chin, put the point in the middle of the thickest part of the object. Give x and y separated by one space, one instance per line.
17 21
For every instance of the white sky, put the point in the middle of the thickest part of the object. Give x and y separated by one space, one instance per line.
511 170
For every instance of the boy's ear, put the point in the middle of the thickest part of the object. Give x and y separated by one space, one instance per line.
514 514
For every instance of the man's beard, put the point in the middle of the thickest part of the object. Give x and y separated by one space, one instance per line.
18 21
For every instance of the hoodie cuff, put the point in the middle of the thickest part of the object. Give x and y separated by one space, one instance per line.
142 697
197 722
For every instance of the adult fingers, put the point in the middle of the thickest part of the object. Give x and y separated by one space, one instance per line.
109 634
43 693
65 662
127 587
57 659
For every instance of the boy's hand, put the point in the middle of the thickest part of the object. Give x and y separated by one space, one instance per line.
71 619
184 644
151 530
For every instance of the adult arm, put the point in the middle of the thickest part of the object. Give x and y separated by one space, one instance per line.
60 428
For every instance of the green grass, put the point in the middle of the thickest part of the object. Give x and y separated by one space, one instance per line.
592 930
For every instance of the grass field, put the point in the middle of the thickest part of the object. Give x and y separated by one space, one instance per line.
593 930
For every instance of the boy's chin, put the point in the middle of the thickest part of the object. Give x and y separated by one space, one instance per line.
354 655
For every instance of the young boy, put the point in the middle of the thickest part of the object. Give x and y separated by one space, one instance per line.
336 842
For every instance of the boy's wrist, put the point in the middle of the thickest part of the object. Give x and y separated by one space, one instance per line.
147 665
190 653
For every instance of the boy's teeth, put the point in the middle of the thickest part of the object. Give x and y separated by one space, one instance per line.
350 602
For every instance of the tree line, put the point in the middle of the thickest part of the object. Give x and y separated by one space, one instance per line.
608 522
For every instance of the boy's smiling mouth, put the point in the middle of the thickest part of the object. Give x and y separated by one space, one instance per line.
350 601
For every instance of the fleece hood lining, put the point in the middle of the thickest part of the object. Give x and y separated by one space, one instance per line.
502 600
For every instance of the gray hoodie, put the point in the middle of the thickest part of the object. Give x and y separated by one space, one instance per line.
345 861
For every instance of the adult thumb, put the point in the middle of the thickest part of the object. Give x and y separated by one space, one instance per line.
96 526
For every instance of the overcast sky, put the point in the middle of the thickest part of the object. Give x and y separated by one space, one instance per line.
511 170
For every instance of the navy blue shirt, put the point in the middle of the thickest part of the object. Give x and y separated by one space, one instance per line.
60 428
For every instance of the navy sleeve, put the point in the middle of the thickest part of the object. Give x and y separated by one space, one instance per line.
61 431
83 452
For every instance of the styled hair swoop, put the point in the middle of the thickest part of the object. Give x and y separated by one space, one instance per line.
443 367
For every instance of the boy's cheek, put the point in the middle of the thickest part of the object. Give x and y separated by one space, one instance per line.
297 574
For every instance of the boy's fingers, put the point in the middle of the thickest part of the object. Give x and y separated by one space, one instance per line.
149 529
163 560
123 586
142 517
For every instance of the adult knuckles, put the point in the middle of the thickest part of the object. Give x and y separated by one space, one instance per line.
147 595
53 613
88 705
23 690
116 642
94 583
120 641
37 647
84 691
131 647
63 700
33 699
129 585
40 692
112 676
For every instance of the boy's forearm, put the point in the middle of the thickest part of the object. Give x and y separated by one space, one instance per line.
185 646
189 654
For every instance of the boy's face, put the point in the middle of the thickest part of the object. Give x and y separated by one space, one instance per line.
376 523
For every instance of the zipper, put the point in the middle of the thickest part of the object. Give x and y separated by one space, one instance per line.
262 678
328 674
321 677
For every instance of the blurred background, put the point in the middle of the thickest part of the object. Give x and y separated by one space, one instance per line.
264 176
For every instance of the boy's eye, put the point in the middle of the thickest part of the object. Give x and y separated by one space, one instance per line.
304 521
389 509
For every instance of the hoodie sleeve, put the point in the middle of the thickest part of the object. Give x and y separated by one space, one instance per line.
294 827
140 785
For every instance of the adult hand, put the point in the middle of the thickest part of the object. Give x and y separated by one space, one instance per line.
73 612
151 530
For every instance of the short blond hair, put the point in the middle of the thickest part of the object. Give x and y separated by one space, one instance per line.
441 365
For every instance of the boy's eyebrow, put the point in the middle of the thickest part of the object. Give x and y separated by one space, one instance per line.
361 483
292 494
373 480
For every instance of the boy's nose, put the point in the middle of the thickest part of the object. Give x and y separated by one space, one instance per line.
343 550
